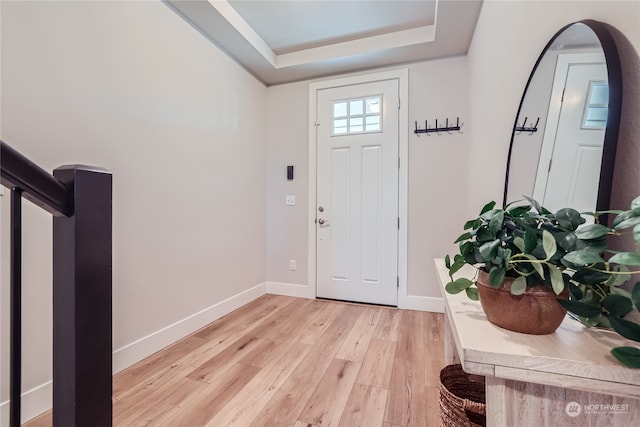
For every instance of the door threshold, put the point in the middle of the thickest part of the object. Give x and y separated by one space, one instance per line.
357 302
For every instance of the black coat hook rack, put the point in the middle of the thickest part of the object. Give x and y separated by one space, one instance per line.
530 129
446 128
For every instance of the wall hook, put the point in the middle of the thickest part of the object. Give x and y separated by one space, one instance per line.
438 129
524 128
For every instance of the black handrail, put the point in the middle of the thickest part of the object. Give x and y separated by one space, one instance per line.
38 186
79 197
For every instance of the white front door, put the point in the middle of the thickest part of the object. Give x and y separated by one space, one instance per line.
357 192
571 175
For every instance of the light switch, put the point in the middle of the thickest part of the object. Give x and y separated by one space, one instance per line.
290 200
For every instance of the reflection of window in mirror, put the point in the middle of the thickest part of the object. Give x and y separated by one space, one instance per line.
597 106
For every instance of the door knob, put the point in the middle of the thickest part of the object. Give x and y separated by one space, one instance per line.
321 221
321 209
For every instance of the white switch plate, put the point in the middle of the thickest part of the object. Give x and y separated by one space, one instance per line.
292 264
290 200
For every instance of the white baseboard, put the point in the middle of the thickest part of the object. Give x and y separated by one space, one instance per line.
146 346
39 399
290 289
33 403
431 304
409 302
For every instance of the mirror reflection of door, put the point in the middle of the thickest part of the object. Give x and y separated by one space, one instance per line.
571 153
575 177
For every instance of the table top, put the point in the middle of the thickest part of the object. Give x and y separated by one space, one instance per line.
573 357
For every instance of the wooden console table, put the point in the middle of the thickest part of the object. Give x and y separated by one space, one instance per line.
567 378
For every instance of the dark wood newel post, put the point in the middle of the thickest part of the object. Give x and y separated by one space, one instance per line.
82 349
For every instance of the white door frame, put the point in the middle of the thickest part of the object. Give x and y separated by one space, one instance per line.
402 75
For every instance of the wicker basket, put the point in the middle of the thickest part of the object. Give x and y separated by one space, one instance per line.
462 401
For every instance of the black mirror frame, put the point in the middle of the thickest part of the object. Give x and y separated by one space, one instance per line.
614 75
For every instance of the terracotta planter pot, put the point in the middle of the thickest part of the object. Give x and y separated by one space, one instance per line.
535 312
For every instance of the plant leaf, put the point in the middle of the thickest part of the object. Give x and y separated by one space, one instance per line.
569 218
620 278
592 231
472 223
489 250
566 241
626 223
589 276
635 203
519 286
535 264
636 233
589 297
535 204
458 285
629 356
579 308
463 237
486 208
539 269
576 291
472 293
519 210
496 276
625 328
556 279
617 305
495 223
621 292
447 261
548 244
455 267
590 322
583 257
626 258
519 243
530 239
622 216
635 295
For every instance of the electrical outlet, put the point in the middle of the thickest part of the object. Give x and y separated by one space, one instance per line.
290 200
292 264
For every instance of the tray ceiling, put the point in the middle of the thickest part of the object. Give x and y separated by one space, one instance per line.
285 41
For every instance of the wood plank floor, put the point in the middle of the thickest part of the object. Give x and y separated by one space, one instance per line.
282 361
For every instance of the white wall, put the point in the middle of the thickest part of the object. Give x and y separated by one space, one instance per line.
507 41
288 144
437 175
437 168
131 87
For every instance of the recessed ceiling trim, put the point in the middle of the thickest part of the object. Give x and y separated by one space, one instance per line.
447 32
368 44
390 40
234 18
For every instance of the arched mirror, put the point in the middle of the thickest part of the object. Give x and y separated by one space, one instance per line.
564 139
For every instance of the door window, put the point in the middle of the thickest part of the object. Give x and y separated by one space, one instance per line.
356 116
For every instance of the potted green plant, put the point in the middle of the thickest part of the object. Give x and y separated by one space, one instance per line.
526 253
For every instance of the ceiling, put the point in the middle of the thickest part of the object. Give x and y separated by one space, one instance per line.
290 40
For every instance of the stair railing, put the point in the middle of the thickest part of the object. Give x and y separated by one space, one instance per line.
79 198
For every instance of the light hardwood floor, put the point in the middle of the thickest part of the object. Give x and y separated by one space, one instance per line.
282 361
